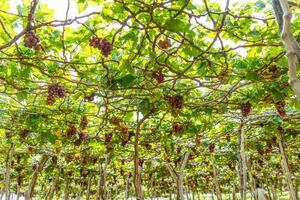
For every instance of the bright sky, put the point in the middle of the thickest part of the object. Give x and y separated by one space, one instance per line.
60 6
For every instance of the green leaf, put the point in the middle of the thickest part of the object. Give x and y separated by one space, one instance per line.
46 136
22 95
124 82
145 106
175 25
81 6
278 95
253 76
260 4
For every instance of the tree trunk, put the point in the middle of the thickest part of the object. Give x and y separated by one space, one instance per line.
127 186
178 177
88 189
66 197
216 183
53 186
283 17
101 191
242 161
252 185
297 191
7 171
269 192
285 167
137 168
29 193
233 193
18 191
274 192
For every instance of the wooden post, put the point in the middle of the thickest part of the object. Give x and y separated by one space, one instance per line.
29 193
285 165
7 171
216 183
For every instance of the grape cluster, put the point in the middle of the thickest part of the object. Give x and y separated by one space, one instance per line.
280 108
24 133
164 44
148 146
246 109
198 139
94 160
84 122
50 100
121 171
69 157
55 90
228 138
141 162
211 147
281 131
8 134
176 103
31 40
124 134
126 140
123 129
90 97
230 166
71 131
115 121
159 76
223 76
82 137
177 127
54 160
101 44
107 138
85 160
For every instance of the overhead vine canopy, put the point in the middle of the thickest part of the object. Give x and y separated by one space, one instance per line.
144 98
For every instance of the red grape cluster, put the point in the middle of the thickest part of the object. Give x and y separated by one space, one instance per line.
211 147
8 134
54 160
246 109
198 139
101 44
125 140
159 76
82 137
141 162
71 131
280 108
164 44
121 171
69 157
281 131
85 160
176 103
84 122
228 138
24 133
123 128
31 40
55 90
115 121
107 138
90 97
177 127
